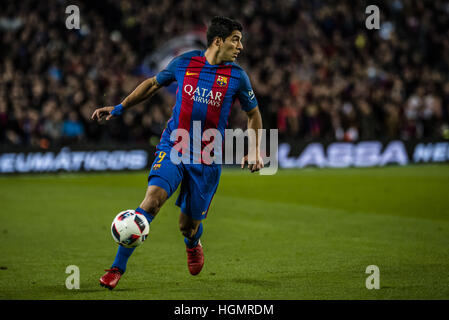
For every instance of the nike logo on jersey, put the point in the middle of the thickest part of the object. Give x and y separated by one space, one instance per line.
191 73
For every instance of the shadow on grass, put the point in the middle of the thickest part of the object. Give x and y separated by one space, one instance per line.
255 282
49 291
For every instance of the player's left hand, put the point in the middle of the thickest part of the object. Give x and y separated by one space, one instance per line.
255 165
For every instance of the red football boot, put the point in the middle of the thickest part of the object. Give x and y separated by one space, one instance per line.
195 259
110 278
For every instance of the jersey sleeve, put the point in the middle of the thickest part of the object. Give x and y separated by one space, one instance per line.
167 76
245 93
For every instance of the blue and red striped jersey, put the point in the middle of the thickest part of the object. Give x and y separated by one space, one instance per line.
205 93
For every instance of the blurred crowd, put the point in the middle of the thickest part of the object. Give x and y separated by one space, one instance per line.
317 71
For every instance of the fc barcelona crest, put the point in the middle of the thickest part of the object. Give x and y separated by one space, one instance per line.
222 81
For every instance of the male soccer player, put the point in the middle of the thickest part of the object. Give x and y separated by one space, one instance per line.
208 83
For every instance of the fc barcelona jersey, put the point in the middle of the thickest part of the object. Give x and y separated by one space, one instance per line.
205 94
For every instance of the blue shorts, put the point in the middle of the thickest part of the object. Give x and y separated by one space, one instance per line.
199 182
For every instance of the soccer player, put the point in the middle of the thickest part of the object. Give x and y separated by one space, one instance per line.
208 83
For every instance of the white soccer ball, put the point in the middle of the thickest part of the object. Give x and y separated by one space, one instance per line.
130 228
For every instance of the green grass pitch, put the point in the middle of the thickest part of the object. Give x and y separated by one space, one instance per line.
300 234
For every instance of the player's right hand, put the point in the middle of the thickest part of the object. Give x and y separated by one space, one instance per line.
100 113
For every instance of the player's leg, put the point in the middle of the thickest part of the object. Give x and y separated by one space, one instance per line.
155 197
163 180
191 230
197 191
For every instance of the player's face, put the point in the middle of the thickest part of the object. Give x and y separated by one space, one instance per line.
231 47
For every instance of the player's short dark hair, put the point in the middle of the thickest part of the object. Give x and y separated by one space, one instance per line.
221 27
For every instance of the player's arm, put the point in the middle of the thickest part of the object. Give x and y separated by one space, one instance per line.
249 104
255 162
144 91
